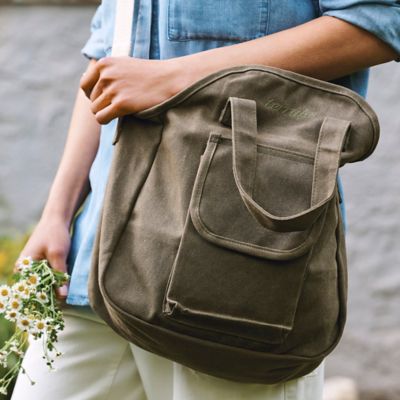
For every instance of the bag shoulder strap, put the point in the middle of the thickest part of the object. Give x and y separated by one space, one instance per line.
123 28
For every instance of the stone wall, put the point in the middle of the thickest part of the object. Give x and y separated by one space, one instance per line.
370 349
40 67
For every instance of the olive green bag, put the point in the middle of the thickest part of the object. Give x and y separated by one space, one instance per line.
221 243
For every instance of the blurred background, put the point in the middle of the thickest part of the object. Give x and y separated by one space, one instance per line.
40 67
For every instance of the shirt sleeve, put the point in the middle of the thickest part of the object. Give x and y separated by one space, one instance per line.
381 18
94 47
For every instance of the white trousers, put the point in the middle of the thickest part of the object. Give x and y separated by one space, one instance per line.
97 364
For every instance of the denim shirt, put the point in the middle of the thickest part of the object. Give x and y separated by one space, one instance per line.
164 29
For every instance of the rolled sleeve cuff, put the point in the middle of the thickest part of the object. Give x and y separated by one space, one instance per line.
382 20
94 47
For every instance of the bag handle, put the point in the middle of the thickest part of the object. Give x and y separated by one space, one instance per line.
241 115
124 12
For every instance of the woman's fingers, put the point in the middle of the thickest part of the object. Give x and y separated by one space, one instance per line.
62 292
27 253
109 113
57 259
100 103
90 78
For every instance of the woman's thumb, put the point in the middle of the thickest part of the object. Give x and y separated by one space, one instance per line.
58 261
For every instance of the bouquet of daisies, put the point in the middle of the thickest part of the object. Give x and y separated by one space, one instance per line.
32 305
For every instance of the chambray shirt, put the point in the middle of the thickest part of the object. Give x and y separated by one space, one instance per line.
164 29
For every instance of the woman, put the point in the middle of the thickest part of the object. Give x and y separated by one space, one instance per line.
175 43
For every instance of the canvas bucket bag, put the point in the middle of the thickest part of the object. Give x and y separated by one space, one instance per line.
220 244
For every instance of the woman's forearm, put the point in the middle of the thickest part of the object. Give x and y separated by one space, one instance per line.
325 48
71 185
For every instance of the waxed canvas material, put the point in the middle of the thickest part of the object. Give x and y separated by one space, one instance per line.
220 244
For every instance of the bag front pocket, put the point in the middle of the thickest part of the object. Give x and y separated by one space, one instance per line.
226 20
233 276
255 213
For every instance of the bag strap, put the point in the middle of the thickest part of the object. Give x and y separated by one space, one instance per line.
123 28
241 114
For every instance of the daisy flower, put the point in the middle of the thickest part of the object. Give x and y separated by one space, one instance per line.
12 315
3 305
39 326
24 262
42 297
33 279
23 323
15 304
5 292
20 288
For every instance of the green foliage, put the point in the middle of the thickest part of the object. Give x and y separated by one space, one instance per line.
10 249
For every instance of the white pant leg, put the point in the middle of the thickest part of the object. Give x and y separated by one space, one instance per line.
97 364
166 380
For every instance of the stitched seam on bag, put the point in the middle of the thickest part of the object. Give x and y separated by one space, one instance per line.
283 153
316 173
321 86
227 334
214 139
245 244
199 85
274 152
185 310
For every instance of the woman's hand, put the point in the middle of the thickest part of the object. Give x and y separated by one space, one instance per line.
119 86
50 240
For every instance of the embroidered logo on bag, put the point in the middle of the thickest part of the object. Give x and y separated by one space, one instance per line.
297 113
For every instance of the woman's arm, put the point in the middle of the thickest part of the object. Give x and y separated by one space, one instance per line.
51 238
324 48
71 184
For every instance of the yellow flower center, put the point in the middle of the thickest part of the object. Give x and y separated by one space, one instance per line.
40 325
33 279
4 292
25 262
14 304
24 322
